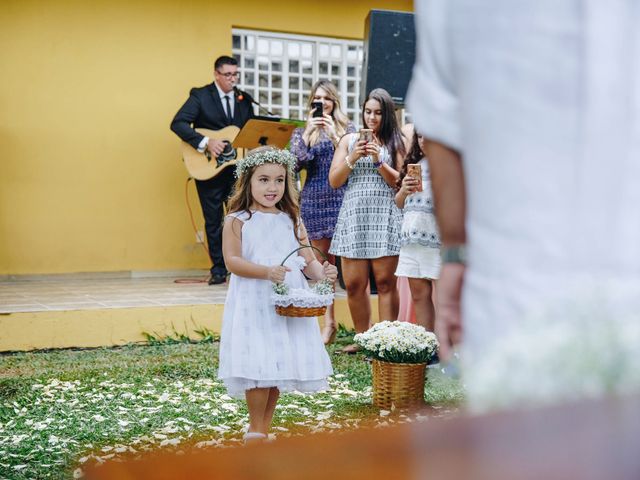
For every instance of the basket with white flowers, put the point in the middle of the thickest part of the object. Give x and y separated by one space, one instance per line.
302 302
400 353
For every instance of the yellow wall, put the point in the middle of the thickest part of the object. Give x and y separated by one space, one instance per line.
90 174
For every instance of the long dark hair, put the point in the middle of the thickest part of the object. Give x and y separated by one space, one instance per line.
389 133
414 156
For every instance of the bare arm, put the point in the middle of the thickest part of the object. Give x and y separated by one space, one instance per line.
390 173
314 269
340 170
409 186
236 264
447 182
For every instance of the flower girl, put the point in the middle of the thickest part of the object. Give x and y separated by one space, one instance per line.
261 352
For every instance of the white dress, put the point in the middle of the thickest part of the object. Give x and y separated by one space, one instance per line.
259 348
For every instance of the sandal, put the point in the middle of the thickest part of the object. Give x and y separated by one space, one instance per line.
349 350
253 437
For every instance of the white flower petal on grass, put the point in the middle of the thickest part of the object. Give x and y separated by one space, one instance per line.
19 467
78 473
163 398
170 441
207 443
123 423
98 418
231 407
384 413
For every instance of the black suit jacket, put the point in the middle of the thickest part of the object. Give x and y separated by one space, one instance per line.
203 109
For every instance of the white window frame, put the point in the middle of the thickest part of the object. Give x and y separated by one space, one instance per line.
242 50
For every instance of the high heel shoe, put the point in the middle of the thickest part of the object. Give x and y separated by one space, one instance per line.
329 333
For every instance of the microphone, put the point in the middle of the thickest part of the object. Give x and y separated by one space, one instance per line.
238 93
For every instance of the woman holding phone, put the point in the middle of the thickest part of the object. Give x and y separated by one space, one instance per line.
419 259
367 234
314 146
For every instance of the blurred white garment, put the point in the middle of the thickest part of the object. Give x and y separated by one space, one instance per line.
542 100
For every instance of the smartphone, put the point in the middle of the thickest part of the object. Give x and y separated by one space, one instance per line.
414 170
366 134
318 107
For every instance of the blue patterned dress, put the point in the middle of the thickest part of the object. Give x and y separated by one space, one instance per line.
319 203
369 221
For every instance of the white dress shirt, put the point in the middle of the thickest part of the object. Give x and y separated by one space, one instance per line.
232 101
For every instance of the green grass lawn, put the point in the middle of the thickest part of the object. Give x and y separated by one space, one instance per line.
62 409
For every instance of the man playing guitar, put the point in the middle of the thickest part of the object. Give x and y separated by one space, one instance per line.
214 107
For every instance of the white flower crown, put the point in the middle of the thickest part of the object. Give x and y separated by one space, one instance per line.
275 155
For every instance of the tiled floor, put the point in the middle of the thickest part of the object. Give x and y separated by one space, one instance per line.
64 293
95 293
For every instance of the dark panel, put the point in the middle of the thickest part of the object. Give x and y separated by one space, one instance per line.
389 53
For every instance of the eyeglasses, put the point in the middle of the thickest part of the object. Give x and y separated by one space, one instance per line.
229 74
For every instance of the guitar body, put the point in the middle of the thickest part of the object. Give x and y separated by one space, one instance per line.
200 166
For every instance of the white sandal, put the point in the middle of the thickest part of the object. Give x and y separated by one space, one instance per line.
253 437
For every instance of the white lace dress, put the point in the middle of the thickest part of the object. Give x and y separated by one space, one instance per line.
259 348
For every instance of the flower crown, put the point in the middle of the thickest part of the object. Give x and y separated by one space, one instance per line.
267 155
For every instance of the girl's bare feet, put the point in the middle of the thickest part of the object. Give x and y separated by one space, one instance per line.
329 332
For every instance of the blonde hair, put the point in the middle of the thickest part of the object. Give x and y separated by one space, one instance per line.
340 119
242 198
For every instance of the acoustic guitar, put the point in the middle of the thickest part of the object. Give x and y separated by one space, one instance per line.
203 166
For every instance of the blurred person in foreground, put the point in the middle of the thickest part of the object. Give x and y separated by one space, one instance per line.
532 112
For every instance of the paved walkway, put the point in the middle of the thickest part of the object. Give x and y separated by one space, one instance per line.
68 292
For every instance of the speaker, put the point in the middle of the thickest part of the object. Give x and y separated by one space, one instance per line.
389 53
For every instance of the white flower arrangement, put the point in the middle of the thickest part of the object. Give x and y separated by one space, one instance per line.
300 297
281 288
320 295
323 287
268 155
398 342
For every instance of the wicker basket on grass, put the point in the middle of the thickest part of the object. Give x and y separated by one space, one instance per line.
398 385
400 352
323 293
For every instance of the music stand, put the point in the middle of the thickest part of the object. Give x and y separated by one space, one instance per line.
256 133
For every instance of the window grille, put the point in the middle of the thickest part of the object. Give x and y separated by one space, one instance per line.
278 69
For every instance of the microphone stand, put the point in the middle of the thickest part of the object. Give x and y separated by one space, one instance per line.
240 96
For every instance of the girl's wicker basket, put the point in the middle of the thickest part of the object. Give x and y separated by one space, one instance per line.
398 384
293 310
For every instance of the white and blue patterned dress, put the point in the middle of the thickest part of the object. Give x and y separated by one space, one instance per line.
369 221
